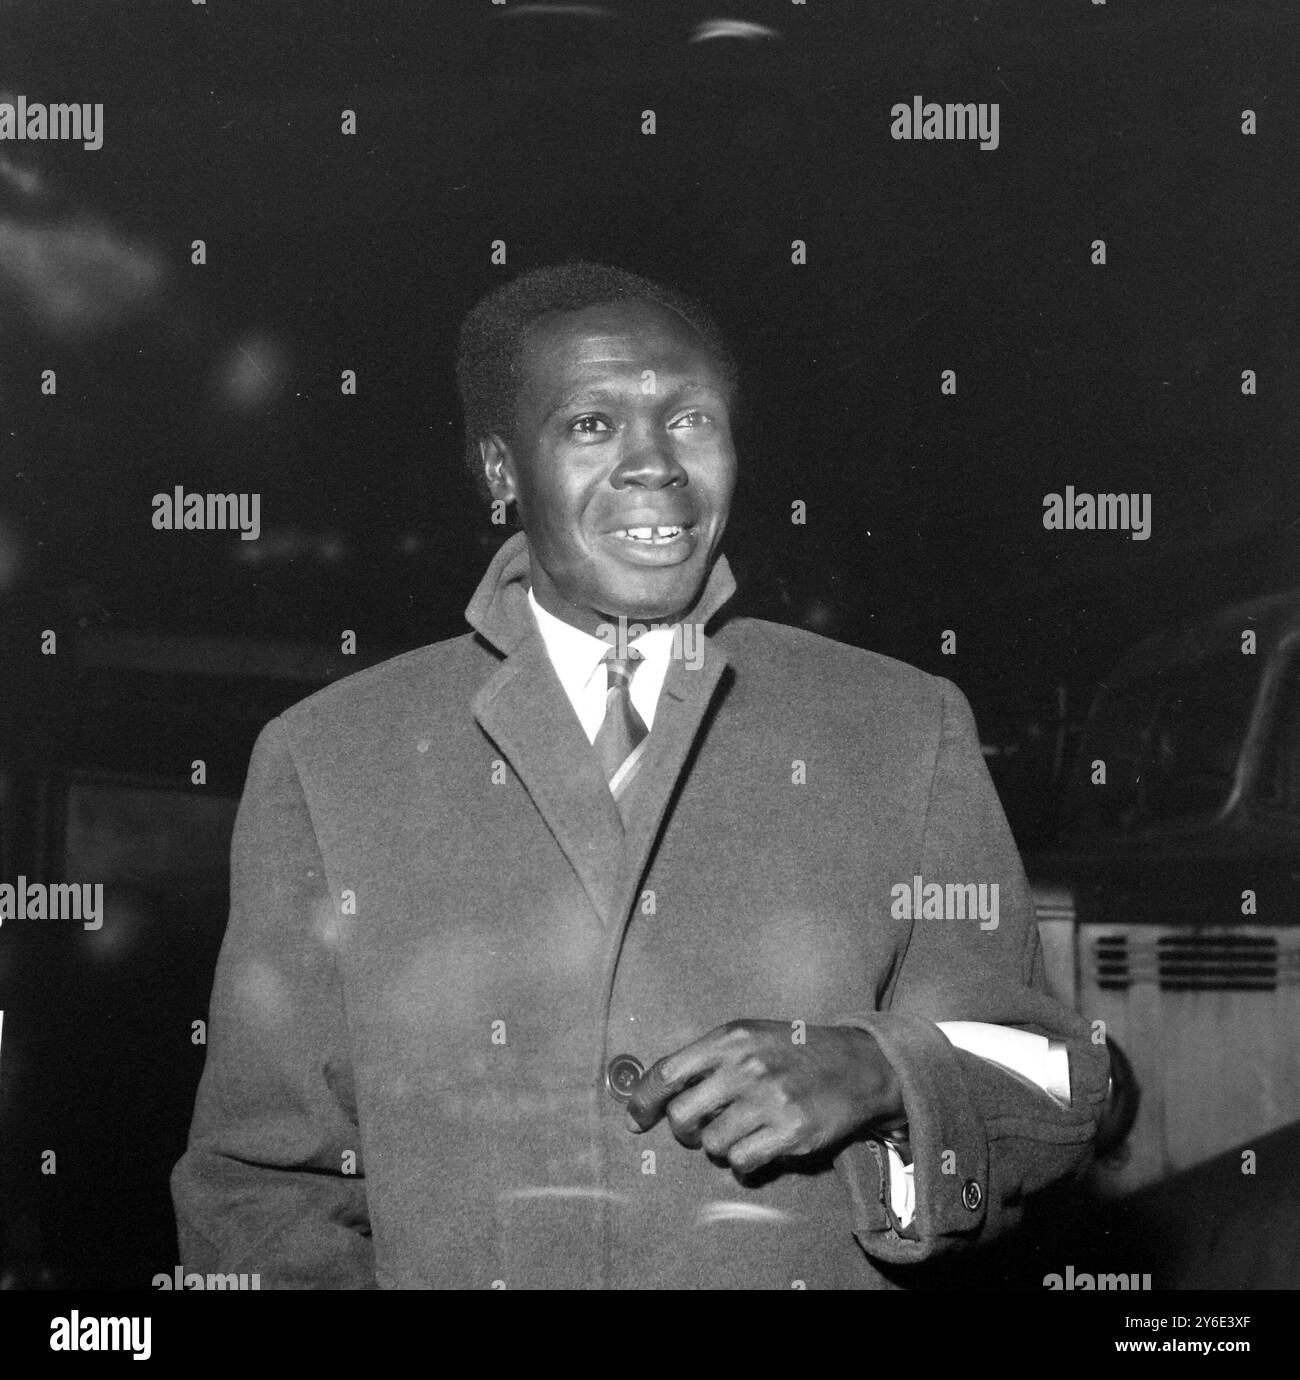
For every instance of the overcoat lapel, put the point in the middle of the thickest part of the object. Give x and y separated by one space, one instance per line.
524 710
683 703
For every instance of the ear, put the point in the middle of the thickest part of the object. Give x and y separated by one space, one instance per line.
498 467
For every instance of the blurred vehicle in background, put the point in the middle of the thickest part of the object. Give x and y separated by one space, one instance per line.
1170 910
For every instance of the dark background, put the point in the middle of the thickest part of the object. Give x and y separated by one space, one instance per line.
522 123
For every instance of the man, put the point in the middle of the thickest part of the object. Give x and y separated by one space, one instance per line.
580 950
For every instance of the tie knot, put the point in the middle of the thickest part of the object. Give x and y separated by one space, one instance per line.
620 669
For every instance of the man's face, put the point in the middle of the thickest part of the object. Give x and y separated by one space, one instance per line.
620 460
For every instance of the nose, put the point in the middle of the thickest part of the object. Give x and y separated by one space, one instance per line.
649 462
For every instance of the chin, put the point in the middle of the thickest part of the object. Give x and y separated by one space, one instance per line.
655 600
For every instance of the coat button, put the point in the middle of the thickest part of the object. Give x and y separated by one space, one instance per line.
622 1074
971 1194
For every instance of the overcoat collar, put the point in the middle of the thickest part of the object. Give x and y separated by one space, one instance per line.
523 708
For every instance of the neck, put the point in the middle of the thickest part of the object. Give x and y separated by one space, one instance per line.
590 621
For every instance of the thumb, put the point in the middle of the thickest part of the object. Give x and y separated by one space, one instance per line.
650 1098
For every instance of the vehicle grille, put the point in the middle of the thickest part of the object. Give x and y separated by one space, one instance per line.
1191 961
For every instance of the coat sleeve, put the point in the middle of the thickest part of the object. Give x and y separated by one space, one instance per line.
272 1181
982 1139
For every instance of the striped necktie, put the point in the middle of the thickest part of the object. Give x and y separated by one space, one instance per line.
622 736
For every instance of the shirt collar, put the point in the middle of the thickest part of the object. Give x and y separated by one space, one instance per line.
576 654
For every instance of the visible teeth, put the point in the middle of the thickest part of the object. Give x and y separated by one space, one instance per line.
655 534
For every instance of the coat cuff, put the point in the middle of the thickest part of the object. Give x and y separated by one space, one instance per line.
948 1143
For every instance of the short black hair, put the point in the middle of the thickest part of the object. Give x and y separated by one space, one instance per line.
487 355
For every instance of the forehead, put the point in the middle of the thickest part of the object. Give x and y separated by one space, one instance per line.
564 350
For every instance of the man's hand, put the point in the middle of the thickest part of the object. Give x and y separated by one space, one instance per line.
749 1094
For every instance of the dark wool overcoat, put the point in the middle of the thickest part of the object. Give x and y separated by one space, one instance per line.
441 934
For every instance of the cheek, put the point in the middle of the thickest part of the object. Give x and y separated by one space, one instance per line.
725 483
555 517
543 501
716 470
717 489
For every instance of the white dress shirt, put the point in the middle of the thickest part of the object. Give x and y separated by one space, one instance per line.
578 658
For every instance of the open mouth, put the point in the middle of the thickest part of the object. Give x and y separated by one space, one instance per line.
651 536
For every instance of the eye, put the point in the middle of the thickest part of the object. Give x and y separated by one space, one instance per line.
592 424
695 417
